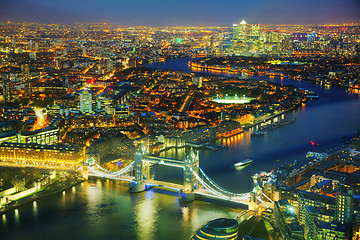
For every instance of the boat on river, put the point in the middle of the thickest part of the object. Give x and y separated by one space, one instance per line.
258 133
243 163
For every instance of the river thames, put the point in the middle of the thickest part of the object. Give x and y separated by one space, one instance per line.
105 210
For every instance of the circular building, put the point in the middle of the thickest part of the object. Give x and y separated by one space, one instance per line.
221 228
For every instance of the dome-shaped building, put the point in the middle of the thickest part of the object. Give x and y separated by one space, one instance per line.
221 228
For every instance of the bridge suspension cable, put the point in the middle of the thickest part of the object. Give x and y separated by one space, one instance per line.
213 193
207 187
122 171
219 188
119 175
223 194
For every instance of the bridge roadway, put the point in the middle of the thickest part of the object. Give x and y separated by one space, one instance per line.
99 172
114 177
148 183
162 184
163 161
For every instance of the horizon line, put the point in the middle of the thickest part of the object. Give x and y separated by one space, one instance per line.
160 25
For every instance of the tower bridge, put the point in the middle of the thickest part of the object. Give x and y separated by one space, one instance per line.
196 183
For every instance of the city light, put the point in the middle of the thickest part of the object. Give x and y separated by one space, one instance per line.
232 101
102 112
40 120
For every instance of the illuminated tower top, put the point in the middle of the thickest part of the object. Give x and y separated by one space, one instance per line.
243 22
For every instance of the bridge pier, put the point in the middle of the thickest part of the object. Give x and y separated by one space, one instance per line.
137 186
186 197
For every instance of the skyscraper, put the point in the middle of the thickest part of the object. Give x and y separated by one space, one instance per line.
255 32
243 31
235 32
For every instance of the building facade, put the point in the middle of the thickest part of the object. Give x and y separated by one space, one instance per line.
41 156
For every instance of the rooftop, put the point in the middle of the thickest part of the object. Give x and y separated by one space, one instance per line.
221 224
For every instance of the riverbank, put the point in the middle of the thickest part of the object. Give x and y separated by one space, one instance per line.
197 146
236 71
49 190
270 117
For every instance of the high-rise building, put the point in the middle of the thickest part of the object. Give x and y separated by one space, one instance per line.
272 36
285 42
306 198
276 36
324 217
272 41
344 206
243 30
255 32
235 32
85 101
8 90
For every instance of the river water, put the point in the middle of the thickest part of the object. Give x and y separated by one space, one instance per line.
106 210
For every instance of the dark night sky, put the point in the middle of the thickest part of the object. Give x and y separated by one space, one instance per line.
182 12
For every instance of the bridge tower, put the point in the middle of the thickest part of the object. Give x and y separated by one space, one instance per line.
85 173
253 202
191 167
138 185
